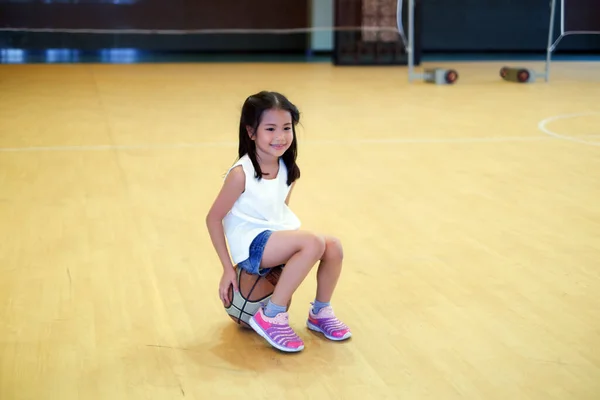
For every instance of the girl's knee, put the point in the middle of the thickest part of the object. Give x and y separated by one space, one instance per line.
316 244
333 249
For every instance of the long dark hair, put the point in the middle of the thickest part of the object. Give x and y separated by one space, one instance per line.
252 112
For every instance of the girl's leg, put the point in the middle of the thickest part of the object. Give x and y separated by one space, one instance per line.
321 317
299 251
330 269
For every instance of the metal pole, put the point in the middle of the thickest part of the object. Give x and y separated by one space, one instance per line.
411 38
550 36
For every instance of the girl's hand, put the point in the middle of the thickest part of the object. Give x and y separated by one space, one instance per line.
228 279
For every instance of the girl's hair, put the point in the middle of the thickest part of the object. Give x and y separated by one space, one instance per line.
252 112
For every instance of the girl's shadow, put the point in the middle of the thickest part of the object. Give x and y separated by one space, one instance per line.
237 349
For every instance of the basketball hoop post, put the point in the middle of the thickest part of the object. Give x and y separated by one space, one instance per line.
550 47
411 36
439 76
525 75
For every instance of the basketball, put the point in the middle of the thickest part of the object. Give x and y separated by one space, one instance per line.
253 290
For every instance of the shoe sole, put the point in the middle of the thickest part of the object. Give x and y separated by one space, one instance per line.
262 333
336 339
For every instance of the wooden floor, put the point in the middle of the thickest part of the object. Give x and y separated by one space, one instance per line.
470 218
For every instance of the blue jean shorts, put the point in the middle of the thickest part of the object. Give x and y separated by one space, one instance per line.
257 248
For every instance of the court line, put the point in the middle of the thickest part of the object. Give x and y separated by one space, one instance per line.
117 147
199 145
542 126
194 145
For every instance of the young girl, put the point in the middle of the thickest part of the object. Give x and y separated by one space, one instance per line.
251 214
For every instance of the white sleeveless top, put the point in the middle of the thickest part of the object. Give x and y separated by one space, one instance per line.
260 207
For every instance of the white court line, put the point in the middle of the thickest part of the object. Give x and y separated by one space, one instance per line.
542 126
197 145
117 147
200 145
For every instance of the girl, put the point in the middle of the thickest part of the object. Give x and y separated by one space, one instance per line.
251 214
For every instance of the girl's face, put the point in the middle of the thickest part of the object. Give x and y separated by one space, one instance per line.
274 134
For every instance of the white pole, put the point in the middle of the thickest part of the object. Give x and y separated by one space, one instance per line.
550 36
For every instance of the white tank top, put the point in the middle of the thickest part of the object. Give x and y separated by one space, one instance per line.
260 207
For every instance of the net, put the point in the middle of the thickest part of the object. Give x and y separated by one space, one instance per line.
362 32
577 17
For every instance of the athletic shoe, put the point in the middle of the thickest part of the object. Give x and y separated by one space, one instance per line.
327 323
277 331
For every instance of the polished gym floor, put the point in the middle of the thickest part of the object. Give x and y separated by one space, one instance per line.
469 215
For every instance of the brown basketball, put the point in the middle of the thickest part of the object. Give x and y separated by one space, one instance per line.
253 289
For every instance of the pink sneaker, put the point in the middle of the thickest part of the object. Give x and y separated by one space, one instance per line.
327 323
276 331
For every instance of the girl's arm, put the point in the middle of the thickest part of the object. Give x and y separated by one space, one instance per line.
232 188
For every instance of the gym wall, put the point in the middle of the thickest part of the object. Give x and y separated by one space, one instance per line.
497 26
448 26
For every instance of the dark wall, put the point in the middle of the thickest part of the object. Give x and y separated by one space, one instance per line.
157 15
154 14
447 25
503 25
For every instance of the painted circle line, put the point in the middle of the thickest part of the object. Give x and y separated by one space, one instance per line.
542 126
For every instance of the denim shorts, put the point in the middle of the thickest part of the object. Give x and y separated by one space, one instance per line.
257 248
